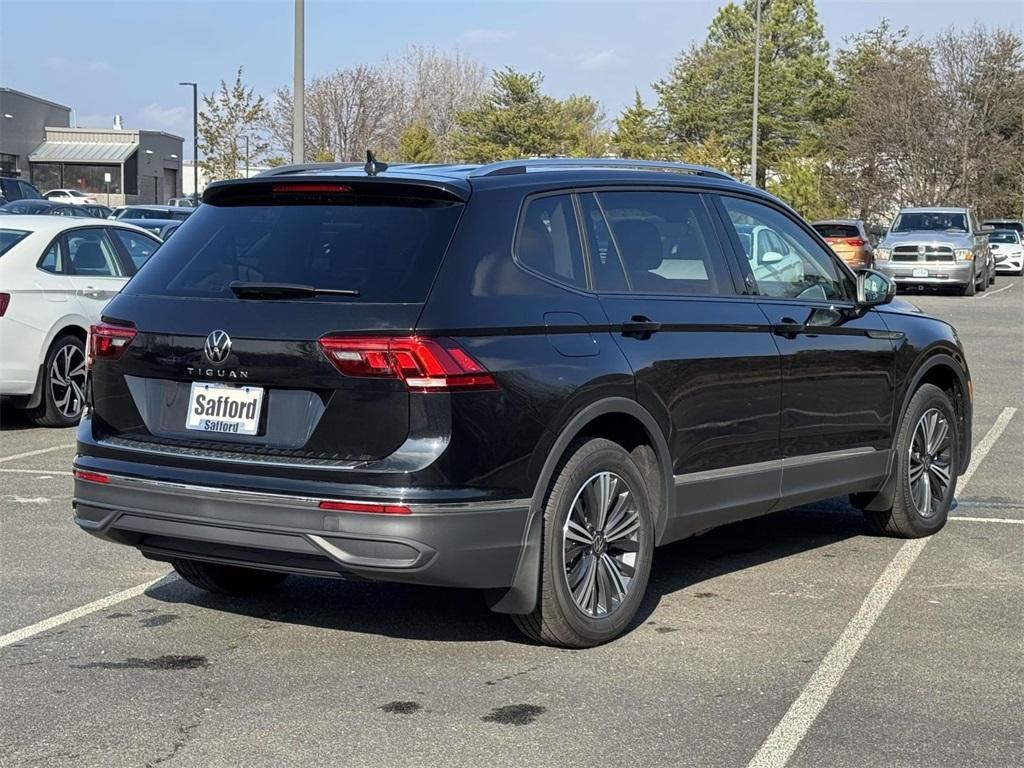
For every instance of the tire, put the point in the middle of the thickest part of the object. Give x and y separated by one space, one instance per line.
992 277
910 516
983 285
970 289
63 384
227 579
610 574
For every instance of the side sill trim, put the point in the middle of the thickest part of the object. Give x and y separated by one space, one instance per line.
774 465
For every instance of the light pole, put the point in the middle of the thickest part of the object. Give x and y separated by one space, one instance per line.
757 83
195 138
298 102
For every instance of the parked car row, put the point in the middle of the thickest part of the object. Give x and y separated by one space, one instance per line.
932 247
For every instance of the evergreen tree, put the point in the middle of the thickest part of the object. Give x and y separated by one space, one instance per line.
417 145
709 90
637 134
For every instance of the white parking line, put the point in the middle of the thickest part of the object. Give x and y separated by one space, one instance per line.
75 613
1007 520
791 729
27 454
997 290
36 472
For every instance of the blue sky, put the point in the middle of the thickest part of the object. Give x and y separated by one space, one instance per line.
106 57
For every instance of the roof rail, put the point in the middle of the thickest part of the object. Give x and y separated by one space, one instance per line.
281 170
559 163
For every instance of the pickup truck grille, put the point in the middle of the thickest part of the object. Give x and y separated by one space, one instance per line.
930 253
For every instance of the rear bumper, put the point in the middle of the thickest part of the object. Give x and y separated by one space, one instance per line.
939 273
475 544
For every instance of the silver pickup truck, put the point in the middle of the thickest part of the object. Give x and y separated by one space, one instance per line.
936 247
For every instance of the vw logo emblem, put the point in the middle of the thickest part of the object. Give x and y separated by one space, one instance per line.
218 346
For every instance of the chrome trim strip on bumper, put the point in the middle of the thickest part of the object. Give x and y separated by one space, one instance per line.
772 466
263 497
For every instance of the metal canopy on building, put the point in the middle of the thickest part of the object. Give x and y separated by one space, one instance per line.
82 152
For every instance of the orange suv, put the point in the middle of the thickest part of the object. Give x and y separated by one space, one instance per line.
849 239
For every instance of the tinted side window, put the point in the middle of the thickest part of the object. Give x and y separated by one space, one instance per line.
53 259
784 260
666 242
139 247
548 240
605 264
91 254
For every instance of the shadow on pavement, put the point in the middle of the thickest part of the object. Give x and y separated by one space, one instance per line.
430 613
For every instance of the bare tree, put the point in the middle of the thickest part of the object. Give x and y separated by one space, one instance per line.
369 107
437 87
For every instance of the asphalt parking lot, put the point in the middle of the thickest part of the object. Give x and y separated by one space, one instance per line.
797 639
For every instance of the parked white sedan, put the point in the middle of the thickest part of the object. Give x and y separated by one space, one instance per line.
56 275
72 196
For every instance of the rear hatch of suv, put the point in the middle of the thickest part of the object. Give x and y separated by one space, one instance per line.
265 330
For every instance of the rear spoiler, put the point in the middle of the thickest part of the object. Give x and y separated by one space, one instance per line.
395 185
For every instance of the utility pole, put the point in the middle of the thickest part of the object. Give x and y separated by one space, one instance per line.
299 90
757 83
195 138
247 156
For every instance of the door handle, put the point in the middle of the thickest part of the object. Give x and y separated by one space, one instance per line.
787 326
640 327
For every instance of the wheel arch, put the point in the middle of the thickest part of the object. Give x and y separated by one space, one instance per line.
949 373
618 419
67 326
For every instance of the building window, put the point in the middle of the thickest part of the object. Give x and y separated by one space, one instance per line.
86 178
8 165
89 178
46 176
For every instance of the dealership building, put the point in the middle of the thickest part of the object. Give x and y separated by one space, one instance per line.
38 144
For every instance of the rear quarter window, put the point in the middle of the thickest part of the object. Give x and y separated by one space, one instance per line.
10 238
387 249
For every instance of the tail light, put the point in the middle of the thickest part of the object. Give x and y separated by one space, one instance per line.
91 477
425 365
5 300
856 242
107 342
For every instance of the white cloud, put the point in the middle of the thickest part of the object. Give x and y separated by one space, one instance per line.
155 117
597 61
64 66
489 35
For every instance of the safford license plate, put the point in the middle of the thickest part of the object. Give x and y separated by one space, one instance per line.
224 409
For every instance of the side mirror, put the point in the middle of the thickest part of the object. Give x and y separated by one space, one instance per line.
771 257
874 288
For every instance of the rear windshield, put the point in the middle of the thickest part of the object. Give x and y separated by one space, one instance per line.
837 230
9 238
1004 236
389 251
149 213
1016 226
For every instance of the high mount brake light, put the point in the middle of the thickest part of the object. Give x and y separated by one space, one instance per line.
107 342
425 365
310 187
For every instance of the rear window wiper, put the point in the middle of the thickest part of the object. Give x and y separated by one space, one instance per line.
247 290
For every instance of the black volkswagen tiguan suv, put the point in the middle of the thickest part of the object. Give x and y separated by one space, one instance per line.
519 377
